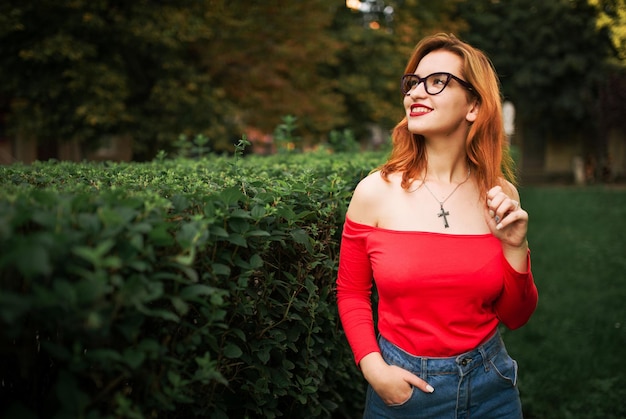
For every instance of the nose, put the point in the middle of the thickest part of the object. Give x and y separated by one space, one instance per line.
419 90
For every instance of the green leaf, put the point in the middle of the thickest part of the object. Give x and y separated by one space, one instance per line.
149 345
163 314
103 355
300 236
287 364
189 234
220 269
160 236
32 259
257 212
256 261
187 259
257 233
232 351
263 355
239 333
180 203
231 196
94 255
180 306
240 213
133 357
239 225
237 239
196 291
118 216
218 231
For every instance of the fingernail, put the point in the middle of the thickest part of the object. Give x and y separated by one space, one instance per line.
497 218
429 388
491 213
499 226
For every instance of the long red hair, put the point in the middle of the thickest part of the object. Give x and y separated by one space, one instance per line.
485 145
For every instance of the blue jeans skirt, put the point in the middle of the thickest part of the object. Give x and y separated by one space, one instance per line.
481 383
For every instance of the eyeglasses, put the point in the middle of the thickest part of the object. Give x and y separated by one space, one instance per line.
433 84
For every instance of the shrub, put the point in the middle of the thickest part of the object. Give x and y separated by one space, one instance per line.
175 288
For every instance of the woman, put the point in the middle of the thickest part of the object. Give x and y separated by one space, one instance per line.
442 234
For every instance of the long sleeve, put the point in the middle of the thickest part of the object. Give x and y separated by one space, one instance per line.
519 296
354 290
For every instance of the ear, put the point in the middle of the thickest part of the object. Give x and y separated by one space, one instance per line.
472 113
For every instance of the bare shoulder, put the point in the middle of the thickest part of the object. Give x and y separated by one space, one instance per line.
510 189
365 204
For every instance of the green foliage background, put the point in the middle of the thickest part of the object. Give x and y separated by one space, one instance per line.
87 70
181 288
175 288
570 352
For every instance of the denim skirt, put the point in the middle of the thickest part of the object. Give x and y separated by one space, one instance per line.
481 383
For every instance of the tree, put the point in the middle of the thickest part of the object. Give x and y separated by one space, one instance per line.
85 69
612 94
612 17
81 69
267 56
550 57
375 47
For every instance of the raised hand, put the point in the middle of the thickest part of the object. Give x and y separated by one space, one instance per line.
505 217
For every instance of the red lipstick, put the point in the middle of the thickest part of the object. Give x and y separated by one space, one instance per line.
418 109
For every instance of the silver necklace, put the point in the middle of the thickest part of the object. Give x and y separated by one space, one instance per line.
443 213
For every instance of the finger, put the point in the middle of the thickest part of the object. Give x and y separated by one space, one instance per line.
503 215
513 217
507 206
495 196
501 205
495 205
415 381
490 219
504 211
506 220
494 191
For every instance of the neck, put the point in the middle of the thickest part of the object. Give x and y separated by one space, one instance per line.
447 170
446 159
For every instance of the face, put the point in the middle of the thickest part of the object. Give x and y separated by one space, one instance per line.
447 114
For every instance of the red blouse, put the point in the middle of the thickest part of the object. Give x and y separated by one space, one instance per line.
439 294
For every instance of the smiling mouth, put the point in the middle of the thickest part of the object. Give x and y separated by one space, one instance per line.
417 110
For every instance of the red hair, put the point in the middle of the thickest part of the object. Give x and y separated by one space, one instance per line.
485 145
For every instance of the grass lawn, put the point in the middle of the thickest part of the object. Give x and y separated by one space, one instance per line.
572 353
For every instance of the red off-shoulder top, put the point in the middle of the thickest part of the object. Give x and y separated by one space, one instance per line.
439 294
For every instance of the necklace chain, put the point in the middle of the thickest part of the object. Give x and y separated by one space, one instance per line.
469 171
444 214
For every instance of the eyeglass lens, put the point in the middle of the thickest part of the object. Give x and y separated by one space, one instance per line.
433 83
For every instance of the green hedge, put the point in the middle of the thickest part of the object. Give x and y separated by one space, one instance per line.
175 288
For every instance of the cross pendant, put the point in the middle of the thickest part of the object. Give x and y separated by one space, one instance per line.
444 214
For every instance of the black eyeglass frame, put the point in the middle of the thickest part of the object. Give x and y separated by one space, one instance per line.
449 76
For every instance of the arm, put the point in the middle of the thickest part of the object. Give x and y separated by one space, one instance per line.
354 290
354 284
509 223
519 296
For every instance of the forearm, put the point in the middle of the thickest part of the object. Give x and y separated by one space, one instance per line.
371 365
519 295
517 256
